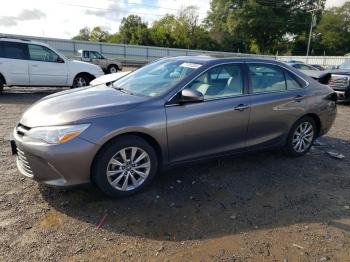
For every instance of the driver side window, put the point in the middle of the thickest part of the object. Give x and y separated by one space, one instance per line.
218 82
41 53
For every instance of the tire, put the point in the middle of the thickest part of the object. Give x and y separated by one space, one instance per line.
113 69
304 140
110 177
80 81
1 84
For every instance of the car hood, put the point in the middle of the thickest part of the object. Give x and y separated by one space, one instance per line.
340 71
78 104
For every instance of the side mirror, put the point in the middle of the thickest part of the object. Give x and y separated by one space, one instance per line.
190 96
60 60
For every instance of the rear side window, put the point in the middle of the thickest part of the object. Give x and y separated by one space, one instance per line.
266 78
291 82
14 50
86 54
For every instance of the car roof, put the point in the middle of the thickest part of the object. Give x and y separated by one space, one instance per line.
204 59
20 40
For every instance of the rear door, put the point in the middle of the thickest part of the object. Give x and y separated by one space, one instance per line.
215 126
277 101
14 62
46 68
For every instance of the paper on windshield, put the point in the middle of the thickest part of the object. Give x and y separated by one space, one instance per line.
191 65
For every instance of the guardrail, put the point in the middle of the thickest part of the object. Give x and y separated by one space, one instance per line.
139 55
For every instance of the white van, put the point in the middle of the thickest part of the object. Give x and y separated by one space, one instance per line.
28 63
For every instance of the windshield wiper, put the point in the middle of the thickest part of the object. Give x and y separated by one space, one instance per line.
123 90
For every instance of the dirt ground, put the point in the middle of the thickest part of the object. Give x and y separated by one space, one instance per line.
257 207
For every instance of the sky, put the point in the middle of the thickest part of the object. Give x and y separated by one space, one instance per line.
64 18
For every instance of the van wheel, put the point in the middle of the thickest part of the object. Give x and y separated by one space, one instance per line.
113 69
80 81
124 166
1 84
301 136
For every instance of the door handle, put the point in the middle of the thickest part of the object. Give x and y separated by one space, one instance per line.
298 98
34 65
241 107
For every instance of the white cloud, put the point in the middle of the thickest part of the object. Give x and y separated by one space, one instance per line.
332 3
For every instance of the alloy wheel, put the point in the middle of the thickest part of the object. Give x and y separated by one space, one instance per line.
79 82
303 137
128 168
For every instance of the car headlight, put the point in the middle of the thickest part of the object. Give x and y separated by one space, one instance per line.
56 134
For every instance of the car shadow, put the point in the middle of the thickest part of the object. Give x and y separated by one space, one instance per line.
223 197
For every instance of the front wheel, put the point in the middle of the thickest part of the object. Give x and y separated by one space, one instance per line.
125 166
301 136
80 81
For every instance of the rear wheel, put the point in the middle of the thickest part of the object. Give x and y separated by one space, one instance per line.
125 166
80 81
301 136
113 69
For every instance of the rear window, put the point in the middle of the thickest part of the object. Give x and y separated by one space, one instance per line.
14 50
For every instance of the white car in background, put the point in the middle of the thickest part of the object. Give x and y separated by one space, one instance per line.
107 79
29 63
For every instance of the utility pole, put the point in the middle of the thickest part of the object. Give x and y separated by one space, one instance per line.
313 23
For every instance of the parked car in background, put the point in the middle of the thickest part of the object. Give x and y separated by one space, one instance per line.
169 112
340 81
302 66
94 57
28 63
109 78
319 67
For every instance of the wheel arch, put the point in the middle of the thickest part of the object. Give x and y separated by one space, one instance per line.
113 64
317 120
3 78
90 76
148 138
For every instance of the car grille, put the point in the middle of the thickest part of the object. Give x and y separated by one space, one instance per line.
339 82
23 163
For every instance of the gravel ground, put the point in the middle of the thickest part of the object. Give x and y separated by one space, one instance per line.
257 207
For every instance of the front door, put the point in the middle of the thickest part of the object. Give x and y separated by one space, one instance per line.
215 126
45 67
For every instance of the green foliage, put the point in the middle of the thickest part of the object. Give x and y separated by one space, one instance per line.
255 26
334 30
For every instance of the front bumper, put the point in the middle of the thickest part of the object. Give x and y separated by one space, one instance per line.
65 164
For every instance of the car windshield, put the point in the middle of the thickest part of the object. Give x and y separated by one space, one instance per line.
345 65
156 78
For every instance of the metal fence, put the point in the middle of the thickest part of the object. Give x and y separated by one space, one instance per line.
137 55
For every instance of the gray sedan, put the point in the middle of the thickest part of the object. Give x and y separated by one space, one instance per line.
172 111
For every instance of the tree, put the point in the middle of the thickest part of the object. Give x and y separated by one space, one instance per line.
134 31
84 34
99 35
259 24
334 30
162 31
